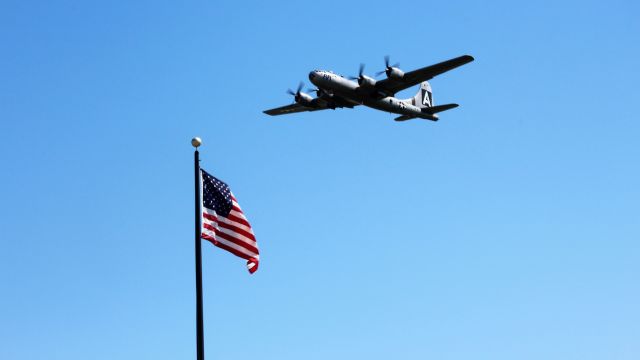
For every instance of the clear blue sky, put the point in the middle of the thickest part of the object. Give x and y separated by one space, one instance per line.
508 230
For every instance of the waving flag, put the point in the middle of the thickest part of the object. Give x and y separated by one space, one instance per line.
224 223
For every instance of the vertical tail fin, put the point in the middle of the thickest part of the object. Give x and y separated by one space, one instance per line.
424 97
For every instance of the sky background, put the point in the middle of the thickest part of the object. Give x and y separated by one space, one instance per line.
507 230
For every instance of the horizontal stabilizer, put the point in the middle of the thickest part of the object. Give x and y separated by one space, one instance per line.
404 118
439 108
431 117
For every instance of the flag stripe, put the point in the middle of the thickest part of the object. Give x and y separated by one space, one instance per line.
238 217
232 250
236 224
212 216
230 229
230 236
236 240
233 216
230 246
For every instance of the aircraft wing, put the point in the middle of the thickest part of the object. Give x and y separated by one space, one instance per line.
392 86
289 109
296 108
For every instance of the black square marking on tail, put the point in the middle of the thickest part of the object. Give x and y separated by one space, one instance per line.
427 98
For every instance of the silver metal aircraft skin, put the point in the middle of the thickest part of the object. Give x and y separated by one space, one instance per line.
335 91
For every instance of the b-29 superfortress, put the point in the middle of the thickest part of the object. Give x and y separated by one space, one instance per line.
335 91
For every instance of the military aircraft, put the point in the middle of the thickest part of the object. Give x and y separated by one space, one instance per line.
335 91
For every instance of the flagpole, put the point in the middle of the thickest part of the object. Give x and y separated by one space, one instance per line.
196 142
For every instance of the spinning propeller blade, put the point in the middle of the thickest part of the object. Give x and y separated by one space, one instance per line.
297 92
387 67
360 72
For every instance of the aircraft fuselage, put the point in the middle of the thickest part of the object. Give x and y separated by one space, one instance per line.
335 91
368 96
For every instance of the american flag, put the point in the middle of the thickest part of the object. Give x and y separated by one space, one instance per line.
223 222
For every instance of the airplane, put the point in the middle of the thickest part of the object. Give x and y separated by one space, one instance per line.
335 91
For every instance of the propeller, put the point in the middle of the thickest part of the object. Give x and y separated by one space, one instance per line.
297 92
360 72
387 67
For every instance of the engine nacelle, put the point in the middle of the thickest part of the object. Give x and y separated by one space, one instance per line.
366 81
324 94
303 99
394 73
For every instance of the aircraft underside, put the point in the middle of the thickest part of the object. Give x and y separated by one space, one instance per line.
388 103
335 91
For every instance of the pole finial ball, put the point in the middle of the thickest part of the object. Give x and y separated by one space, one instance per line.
196 141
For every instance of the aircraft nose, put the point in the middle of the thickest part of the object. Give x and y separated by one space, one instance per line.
312 76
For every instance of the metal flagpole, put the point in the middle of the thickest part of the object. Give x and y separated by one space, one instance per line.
199 322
